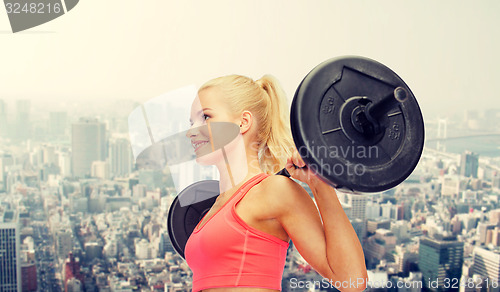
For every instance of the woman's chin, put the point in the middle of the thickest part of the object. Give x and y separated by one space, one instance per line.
202 161
207 157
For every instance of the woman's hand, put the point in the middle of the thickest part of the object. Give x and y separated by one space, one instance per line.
299 170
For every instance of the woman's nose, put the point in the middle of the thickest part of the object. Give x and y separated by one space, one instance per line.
190 133
193 131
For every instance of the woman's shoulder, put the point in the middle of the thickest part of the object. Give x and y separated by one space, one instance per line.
279 181
282 192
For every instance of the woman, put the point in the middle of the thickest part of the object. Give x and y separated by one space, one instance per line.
241 243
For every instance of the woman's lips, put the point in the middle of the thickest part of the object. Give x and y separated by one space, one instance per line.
198 144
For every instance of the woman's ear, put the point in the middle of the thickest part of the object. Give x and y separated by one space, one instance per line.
246 120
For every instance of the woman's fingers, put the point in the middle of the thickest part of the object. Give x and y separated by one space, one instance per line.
298 169
296 159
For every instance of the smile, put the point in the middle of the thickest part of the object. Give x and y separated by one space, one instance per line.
198 144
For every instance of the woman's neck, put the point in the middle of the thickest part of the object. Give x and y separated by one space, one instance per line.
238 166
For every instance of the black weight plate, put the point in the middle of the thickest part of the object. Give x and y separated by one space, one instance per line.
335 152
182 219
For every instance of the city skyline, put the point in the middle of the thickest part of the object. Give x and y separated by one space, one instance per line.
445 51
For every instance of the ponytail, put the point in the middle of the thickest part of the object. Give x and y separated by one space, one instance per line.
278 144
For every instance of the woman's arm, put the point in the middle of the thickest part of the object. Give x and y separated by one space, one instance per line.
343 249
326 239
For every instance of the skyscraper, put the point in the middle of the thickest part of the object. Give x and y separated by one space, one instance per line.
72 276
357 204
88 143
469 164
120 157
28 276
440 261
10 264
165 244
58 123
486 263
482 230
6 160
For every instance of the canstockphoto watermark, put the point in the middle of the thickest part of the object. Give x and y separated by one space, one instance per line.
352 283
25 14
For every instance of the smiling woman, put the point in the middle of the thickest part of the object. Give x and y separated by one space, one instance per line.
257 213
220 100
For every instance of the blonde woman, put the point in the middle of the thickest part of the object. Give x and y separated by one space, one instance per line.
241 243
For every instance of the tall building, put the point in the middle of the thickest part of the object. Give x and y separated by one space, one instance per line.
6 160
58 124
496 181
391 211
495 217
10 263
469 164
482 230
146 250
28 276
486 263
357 204
440 260
100 169
405 256
120 157
165 244
88 144
64 242
64 163
93 250
72 276
372 210
380 246
372 225
450 185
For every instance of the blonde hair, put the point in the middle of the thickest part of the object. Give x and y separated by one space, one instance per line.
267 102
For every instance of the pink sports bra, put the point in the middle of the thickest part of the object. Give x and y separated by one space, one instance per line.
226 252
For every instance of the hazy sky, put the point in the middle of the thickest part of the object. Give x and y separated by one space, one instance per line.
446 51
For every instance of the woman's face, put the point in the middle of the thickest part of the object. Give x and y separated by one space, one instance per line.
208 107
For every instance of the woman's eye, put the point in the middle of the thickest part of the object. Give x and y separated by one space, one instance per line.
205 117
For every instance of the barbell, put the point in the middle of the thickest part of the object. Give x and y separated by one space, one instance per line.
354 122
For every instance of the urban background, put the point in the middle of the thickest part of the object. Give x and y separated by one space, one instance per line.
76 214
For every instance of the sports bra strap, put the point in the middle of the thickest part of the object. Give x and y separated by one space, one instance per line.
250 184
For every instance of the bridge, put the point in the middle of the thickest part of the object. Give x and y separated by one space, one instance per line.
492 134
